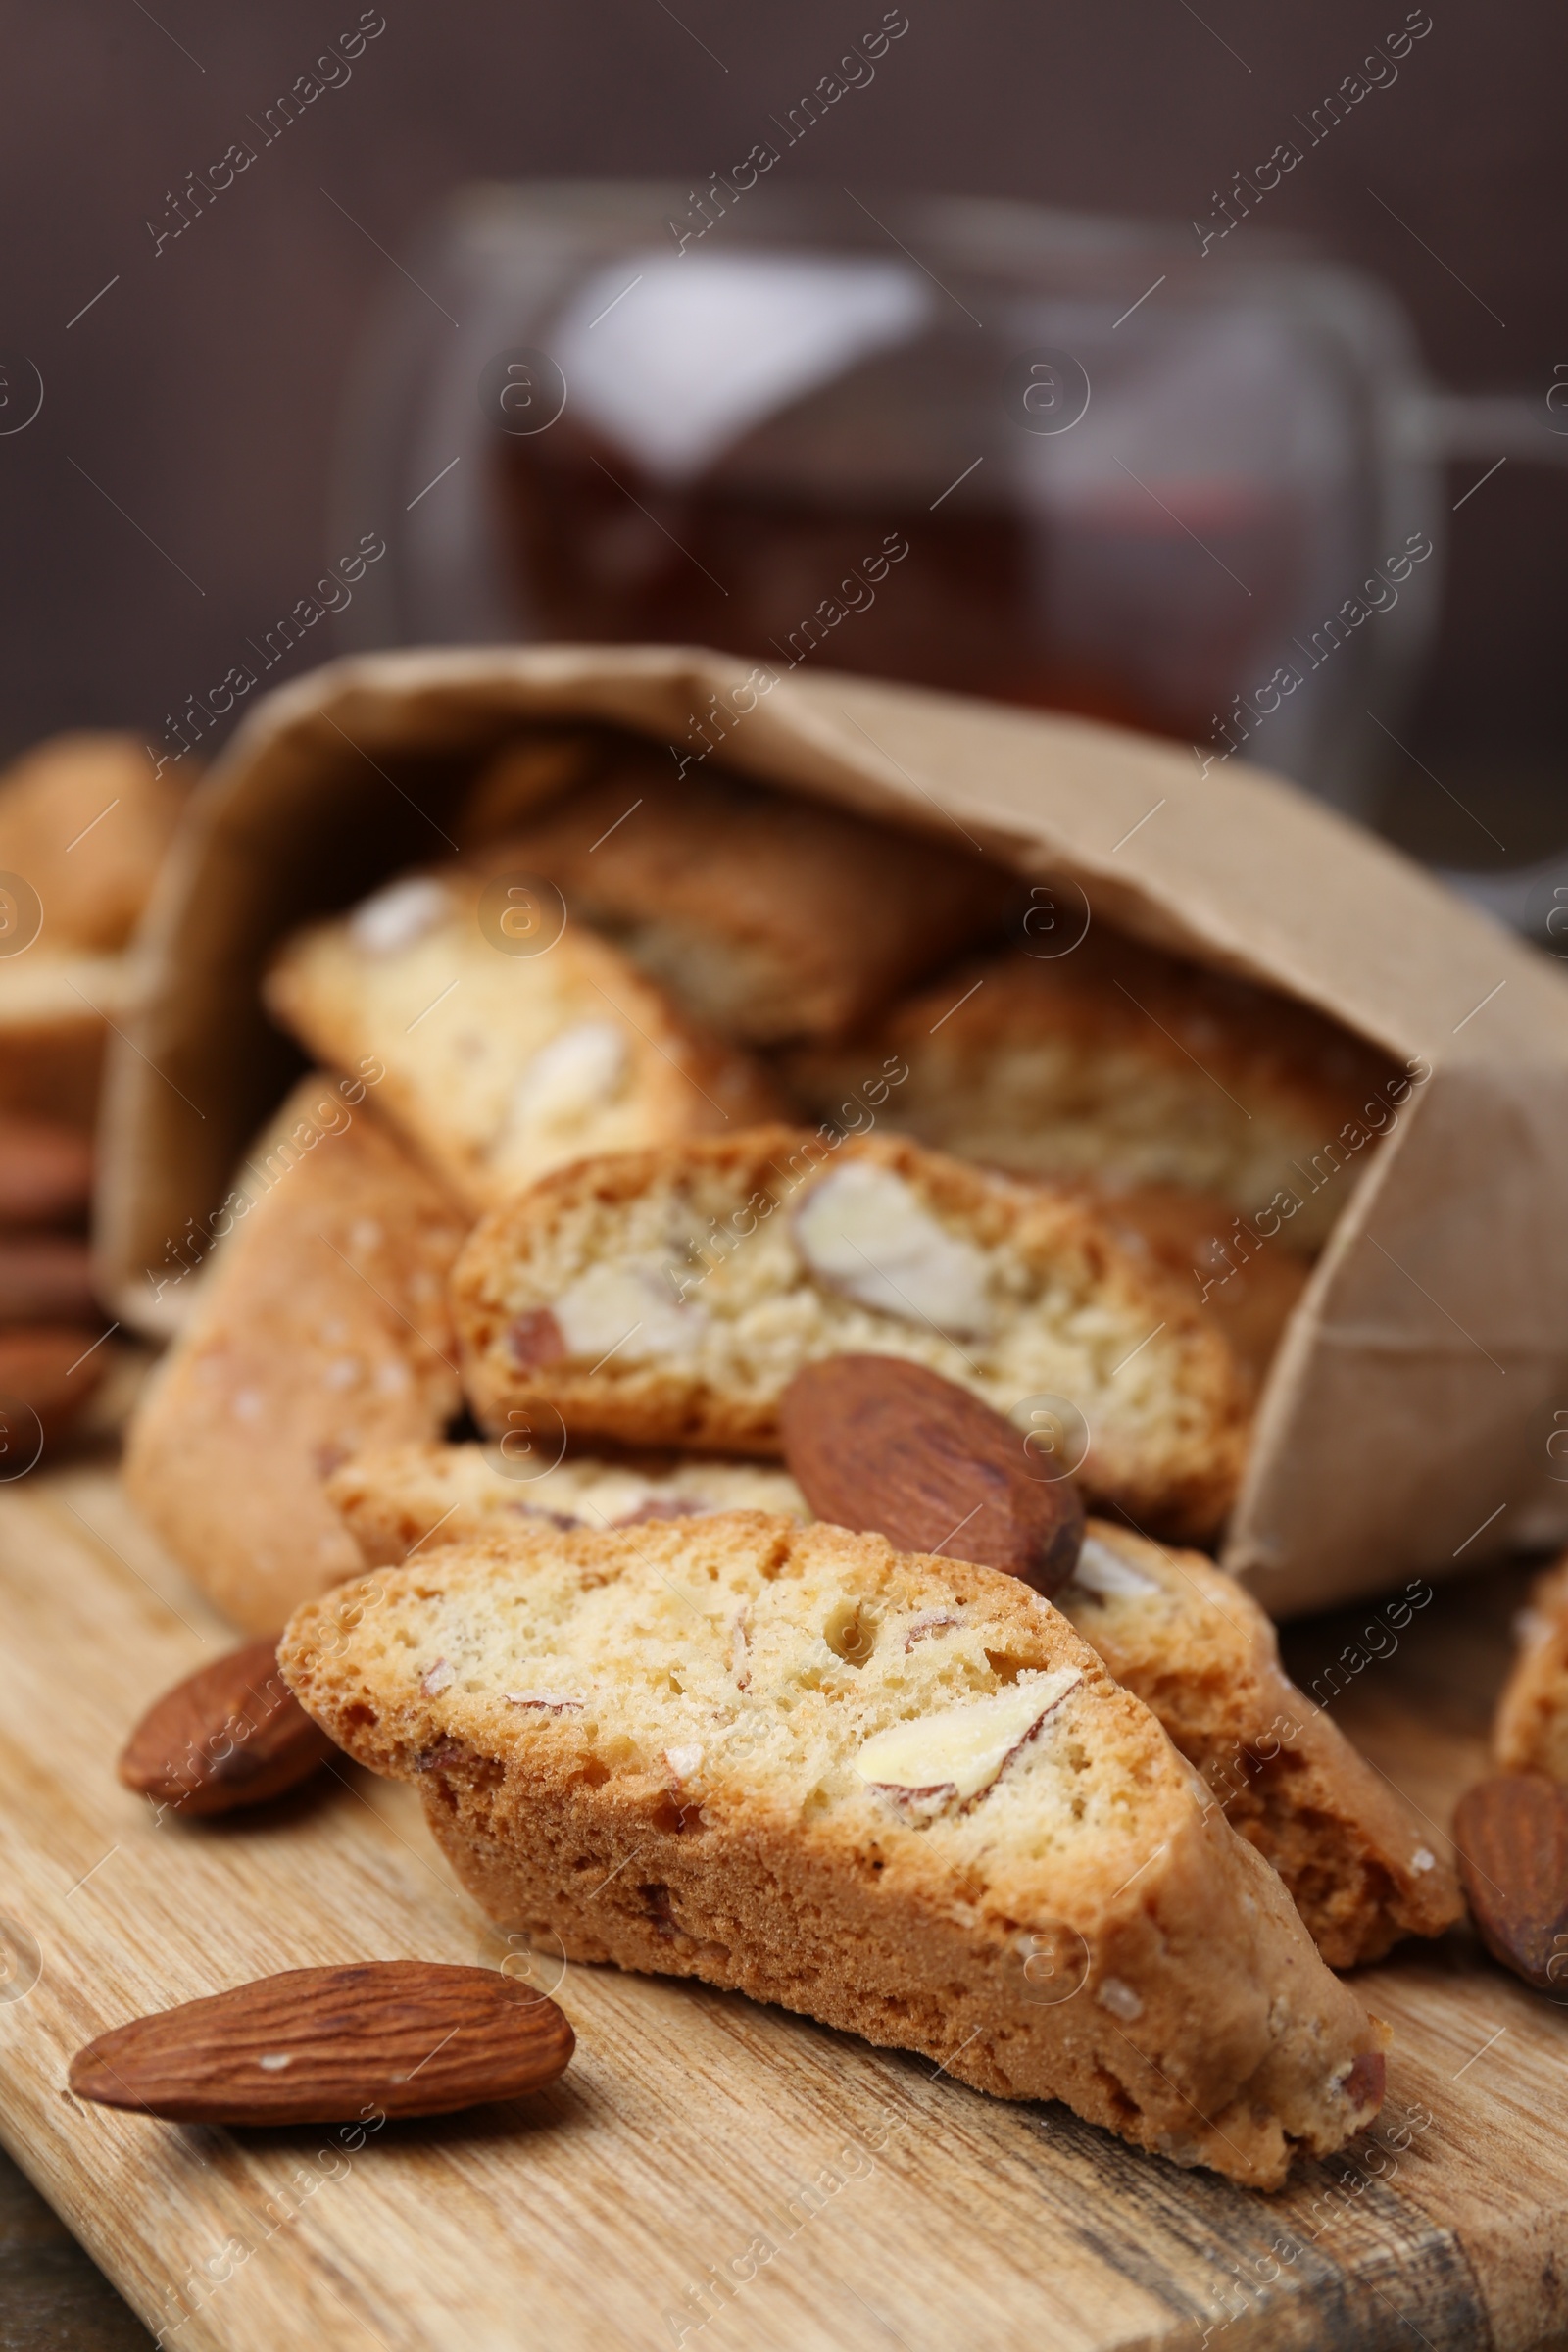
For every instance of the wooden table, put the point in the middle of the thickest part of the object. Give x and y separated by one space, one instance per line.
708 2174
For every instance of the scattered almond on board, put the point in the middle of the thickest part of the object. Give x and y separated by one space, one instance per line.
231 1734
1512 1832
322 2046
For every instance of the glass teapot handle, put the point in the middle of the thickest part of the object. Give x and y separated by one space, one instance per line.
1436 424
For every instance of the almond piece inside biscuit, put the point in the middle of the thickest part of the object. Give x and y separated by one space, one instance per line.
1100 1570
865 1231
395 917
576 1073
963 1748
628 1309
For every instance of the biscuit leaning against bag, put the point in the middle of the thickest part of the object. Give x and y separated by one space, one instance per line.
1121 1065
893 1792
501 1065
769 917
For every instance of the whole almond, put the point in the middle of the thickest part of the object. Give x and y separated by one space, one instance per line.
1512 1837
232 1734
887 1448
323 2045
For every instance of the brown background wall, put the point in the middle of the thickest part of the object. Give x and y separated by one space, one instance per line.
201 392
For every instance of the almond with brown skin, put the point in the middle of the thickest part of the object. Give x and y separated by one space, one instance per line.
232 1734
324 2045
887 1448
1512 1835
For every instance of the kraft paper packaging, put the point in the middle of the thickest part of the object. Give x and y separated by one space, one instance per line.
1408 1422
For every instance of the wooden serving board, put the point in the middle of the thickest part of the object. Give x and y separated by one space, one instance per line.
708 2174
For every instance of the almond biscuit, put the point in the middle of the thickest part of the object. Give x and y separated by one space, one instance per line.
395 1499
320 1326
1123 1064
1530 1731
767 915
1360 1861
501 1065
894 1792
668 1297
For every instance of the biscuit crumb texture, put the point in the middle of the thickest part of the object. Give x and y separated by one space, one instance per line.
396 1498
650 1744
767 915
668 1297
1122 1064
1204 1657
502 1064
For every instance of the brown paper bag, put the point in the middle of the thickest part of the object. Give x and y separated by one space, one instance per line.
1409 1424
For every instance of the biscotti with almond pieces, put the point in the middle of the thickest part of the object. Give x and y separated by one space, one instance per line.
766 915
667 1297
886 1448
894 1792
395 1499
512 1038
320 1326
1363 1866
1118 1062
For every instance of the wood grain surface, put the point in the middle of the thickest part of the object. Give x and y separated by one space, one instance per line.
708 2173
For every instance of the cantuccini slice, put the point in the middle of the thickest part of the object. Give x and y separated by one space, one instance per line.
667 1297
896 1792
512 1038
395 1499
1118 1062
767 915
1364 1867
320 1326
887 1448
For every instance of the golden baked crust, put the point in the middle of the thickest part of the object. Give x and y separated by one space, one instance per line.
1171 1628
690 1307
1530 1732
320 1326
397 1498
648 1744
501 1065
767 915
1119 1062
1202 1656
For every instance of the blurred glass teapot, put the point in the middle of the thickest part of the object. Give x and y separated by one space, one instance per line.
1064 462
